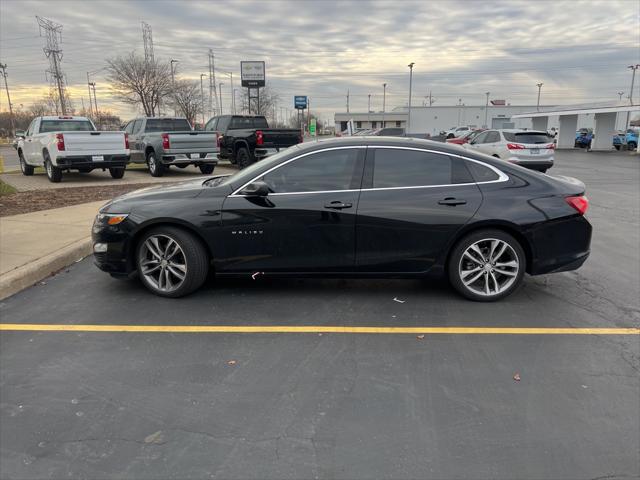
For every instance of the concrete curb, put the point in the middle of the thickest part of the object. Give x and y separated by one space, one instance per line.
22 277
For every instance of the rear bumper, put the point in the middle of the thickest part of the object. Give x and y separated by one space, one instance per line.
86 161
170 158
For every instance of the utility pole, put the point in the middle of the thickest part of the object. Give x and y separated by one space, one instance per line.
486 110
220 93
347 101
233 96
95 99
384 101
213 95
147 40
369 104
410 87
53 34
202 75
90 101
3 67
633 78
431 99
173 82
459 105
539 88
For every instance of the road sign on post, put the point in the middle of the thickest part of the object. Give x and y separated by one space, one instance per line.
312 127
300 102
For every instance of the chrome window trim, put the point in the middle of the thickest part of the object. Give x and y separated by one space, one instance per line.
235 192
502 177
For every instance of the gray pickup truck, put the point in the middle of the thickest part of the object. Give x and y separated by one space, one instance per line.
162 142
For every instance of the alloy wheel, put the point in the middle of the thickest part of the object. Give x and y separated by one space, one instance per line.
163 263
488 267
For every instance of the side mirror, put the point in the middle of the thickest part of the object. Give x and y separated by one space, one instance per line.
20 133
256 189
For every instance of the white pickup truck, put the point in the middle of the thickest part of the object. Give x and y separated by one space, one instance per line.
63 143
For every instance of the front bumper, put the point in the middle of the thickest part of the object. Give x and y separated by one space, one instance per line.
111 245
86 161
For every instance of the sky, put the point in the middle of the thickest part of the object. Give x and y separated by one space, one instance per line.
461 49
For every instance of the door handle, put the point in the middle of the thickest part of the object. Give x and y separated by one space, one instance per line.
338 205
452 201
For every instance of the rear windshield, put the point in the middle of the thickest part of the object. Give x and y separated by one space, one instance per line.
249 122
168 125
527 137
48 126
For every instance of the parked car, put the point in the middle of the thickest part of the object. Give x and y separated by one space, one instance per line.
359 206
584 136
245 139
14 143
466 138
388 132
457 132
162 142
630 139
528 148
64 143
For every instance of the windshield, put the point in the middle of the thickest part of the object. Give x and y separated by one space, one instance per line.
48 126
527 137
251 171
168 125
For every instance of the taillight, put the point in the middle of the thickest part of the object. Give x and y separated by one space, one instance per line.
165 141
580 203
126 141
551 146
259 137
515 146
218 140
60 140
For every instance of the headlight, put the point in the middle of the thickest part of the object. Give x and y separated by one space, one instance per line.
111 218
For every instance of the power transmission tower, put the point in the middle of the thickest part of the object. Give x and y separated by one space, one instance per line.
6 86
147 39
53 34
213 96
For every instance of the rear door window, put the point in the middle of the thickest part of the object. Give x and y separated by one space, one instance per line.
167 125
481 173
211 125
394 168
492 137
480 138
527 137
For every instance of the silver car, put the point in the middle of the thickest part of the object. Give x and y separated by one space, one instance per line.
528 148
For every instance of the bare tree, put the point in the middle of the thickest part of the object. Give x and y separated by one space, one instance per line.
140 82
187 99
50 105
268 101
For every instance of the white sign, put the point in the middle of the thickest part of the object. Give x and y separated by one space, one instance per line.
252 74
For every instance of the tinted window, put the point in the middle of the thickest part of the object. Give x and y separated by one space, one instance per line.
527 137
136 126
330 170
481 173
129 127
248 122
410 168
397 132
66 126
211 124
167 125
223 123
480 138
492 137
30 129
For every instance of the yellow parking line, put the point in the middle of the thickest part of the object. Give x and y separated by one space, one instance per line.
315 329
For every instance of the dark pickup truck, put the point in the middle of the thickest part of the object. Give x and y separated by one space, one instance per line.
244 139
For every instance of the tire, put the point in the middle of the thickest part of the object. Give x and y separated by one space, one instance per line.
26 170
156 168
191 256
486 274
116 173
54 174
632 146
207 169
243 158
617 147
451 135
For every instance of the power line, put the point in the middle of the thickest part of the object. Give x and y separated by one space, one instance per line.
52 50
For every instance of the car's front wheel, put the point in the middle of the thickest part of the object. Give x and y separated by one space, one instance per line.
171 262
487 265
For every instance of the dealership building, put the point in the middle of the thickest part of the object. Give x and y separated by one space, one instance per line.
435 119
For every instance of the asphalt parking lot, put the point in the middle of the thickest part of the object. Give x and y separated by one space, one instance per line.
327 404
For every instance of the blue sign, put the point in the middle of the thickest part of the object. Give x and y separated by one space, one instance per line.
300 102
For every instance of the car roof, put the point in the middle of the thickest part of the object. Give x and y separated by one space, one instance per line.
519 130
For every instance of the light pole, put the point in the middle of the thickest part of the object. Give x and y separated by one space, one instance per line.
384 100
539 88
202 75
173 81
486 110
410 87
459 104
620 96
220 90
633 78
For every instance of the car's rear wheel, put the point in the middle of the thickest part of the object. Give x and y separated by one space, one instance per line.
487 265
116 172
617 147
54 174
24 167
156 168
632 146
207 169
171 262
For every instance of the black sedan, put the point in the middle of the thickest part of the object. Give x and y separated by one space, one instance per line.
360 206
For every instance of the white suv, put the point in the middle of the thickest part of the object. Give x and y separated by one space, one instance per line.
529 148
456 132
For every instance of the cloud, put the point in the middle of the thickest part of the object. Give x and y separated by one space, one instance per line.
324 48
